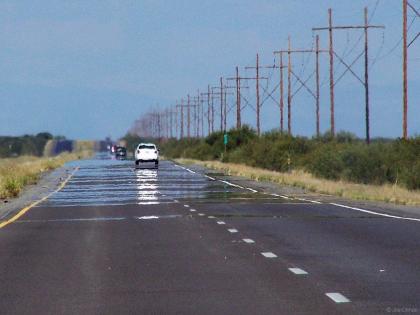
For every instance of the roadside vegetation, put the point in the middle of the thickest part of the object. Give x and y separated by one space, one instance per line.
24 145
23 159
16 173
393 166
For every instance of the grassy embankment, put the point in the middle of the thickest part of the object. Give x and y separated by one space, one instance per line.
386 170
299 178
16 173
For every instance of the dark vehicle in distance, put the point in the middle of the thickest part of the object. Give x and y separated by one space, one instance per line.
121 152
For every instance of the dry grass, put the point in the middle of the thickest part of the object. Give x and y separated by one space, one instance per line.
16 173
384 193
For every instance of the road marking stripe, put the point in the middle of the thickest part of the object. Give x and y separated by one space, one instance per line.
74 220
233 185
220 222
201 214
147 217
298 271
26 209
248 240
376 213
186 206
233 230
337 297
192 172
269 255
193 210
211 217
253 190
209 177
315 201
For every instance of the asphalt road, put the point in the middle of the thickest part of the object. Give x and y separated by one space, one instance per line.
119 240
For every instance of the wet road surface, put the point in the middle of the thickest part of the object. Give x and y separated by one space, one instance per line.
118 239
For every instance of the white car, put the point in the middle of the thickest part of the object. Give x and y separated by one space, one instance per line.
147 152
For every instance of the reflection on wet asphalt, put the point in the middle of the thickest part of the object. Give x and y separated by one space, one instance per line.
106 181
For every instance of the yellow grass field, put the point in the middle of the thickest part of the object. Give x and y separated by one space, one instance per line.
384 193
15 173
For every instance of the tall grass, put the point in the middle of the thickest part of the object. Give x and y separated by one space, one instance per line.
302 179
16 173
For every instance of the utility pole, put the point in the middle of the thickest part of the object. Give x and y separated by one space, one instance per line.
238 100
317 85
182 117
257 86
188 118
289 88
332 54
367 120
238 80
221 105
210 109
405 84
223 94
257 90
315 94
406 4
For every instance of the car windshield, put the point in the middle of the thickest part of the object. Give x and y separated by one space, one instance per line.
145 146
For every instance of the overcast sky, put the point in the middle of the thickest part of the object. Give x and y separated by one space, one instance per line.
88 69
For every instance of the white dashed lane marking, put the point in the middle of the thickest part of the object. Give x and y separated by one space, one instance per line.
337 297
249 241
211 217
298 271
253 190
269 255
209 177
193 210
230 184
233 230
201 214
186 206
220 222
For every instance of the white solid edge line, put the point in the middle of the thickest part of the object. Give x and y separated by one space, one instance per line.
298 271
187 169
375 213
233 230
269 255
253 190
284 197
337 297
220 222
209 177
186 206
211 217
248 240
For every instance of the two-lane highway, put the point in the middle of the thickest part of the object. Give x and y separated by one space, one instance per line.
118 239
